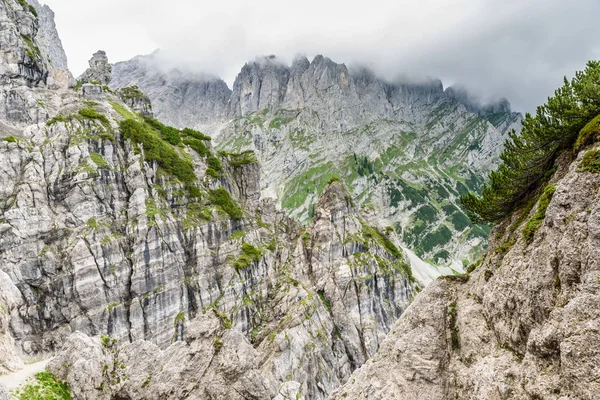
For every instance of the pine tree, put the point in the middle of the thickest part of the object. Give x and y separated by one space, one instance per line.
528 157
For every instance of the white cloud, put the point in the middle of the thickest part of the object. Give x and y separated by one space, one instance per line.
516 49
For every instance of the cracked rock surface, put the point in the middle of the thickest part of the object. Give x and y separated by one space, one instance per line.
524 326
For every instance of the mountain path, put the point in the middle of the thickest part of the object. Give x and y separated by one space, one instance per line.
17 378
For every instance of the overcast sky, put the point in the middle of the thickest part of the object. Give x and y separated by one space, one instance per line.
518 49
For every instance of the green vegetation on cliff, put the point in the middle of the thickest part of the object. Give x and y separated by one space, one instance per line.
156 149
221 197
43 386
528 158
28 6
131 92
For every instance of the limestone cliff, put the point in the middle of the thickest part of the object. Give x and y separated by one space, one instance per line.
408 149
137 235
48 37
180 98
524 324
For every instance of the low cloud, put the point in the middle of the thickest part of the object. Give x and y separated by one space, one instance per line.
514 49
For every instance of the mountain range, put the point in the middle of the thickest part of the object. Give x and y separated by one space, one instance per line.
297 236
409 150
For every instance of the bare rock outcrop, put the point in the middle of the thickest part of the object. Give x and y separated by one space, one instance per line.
99 72
524 325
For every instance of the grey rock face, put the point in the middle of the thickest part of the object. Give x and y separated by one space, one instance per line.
96 240
48 39
260 85
524 326
222 362
22 65
10 299
305 321
178 98
136 100
100 71
22 60
4 395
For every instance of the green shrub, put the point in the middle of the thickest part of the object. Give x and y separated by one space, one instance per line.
249 255
196 214
473 266
107 341
98 159
158 150
590 162
108 136
10 139
505 247
198 146
58 118
275 123
92 223
195 134
168 133
374 234
535 222
251 251
193 191
122 111
179 319
324 300
454 337
242 262
237 235
272 245
212 173
239 159
221 197
43 386
214 163
218 345
29 7
91 113
131 92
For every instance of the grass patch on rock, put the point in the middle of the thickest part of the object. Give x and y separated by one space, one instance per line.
535 222
590 161
158 150
42 386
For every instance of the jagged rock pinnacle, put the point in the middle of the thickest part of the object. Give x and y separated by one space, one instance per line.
100 71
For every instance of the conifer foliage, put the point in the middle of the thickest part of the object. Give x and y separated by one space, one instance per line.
528 158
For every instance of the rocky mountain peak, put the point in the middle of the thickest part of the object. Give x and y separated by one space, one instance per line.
22 61
334 199
180 98
261 84
48 38
299 64
100 71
